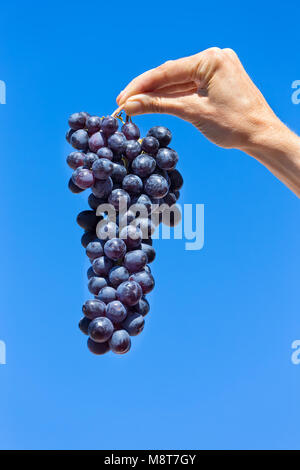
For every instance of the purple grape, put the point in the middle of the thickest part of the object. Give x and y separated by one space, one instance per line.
87 220
88 237
105 152
176 180
89 159
134 324
102 189
143 165
129 293
102 266
142 306
94 308
96 141
83 178
132 236
107 230
120 342
107 294
84 325
156 186
119 173
116 311
144 279
93 124
117 142
102 168
117 275
150 145
150 252
90 273
132 184
170 199
77 121
94 201
73 187
118 198
94 249
98 348
100 329
75 159
133 149
135 260
166 158
131 131
95 284
69 134
109 125
115 249
162 134
79 139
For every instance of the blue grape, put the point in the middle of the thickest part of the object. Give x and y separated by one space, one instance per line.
102 189
135 260
96 141
93 124
119 173
75 159
117 142
109 125
98 348
83 178
84 325
96 283
94 249
117 275
142 306
101 329
144 279
105 152
132 184
129 293
162 134
156 186
166 158
87 237
132 236
170 199
73 187
150 145
115 248
107 294
89 159
102 168
94 308
102 266
134 324
87 220
133 149
80 139
143 165
116 311
150 252
69 134
108 230
117 197
94 201
120 342
77 121
176 180
131 131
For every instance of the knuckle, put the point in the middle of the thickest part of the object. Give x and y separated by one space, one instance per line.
229 52
157 105
214 54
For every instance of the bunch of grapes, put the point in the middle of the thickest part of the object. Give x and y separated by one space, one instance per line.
137 179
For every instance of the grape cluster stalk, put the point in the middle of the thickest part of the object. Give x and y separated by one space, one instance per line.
133 182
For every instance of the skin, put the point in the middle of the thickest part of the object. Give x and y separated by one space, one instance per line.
212 91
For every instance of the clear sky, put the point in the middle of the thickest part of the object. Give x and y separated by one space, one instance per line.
212 368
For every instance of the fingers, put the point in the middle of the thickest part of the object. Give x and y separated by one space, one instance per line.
155 103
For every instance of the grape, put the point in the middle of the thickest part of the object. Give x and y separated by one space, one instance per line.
135 260
73 188
94 201
150 145
77 121
88 237
166 158
156 186
117 142
107 294
134 324
132 184
116 311
162 134
133 149
95 284
170 199
102 266
89 159
84 325
176 180
102 189
129 293
83 178
98 348
120 342
90 273
94 249
109 125
105 152
102 168
132 236
143 165
87 220
80 139
143 200
117 197
96 141
119 173
115 248
131 131
150 252
176 194
144 279
75 159
94 308
69 135
101 329
93 124
107 230
147 241
142 306
117 275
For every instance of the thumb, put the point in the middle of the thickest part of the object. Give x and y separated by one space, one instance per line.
153 103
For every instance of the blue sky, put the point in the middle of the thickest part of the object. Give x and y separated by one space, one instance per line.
212 369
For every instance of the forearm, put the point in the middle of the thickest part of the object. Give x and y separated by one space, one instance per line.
278 149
